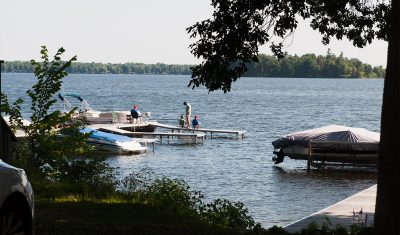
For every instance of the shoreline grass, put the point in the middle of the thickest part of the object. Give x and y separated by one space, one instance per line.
116 217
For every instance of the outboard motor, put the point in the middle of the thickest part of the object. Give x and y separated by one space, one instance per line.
279 156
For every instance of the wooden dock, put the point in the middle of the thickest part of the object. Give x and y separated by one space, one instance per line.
211 131
116 129
345 213
194 136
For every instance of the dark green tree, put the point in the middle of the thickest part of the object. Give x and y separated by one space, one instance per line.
230 40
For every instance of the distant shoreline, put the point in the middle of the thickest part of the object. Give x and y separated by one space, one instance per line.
189 75
306 66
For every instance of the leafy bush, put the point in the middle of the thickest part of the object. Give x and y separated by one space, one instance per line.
326 228
137 181
226 214
176 196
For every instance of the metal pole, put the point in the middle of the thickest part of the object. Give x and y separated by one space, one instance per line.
1 62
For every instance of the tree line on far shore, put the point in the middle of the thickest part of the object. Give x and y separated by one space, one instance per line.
312 66
308 66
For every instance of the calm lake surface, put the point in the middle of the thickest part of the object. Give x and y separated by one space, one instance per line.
239 170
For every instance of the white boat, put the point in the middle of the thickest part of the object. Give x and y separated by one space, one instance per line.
113 143
333 143
91 116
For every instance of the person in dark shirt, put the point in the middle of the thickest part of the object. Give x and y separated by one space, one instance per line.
195 122
182 122
136 114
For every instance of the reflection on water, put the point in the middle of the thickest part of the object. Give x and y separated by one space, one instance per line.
239 169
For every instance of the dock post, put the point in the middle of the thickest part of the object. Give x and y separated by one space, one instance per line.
309 157
211 135
168 139
154 144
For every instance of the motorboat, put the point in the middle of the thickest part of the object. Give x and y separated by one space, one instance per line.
90 116
329 144
112 142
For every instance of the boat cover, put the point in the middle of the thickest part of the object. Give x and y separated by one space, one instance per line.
95 134
332 137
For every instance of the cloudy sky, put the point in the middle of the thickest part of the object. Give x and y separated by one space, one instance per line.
122 31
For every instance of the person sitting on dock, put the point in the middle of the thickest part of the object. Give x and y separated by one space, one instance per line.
195 122
188 112
182 122
136 114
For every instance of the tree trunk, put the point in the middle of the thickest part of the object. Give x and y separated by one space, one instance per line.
387 210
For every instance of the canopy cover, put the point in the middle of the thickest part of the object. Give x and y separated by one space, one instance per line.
353 138
95 134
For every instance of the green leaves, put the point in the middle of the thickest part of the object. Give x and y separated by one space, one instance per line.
231 38
49 79
176 196
226 214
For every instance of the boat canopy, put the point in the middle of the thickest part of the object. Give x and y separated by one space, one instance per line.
95 134
62 95
332 137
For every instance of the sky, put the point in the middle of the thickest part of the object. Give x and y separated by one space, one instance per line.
140 31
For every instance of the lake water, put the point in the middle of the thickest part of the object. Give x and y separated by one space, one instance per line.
239 170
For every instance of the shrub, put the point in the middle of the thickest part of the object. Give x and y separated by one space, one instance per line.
176 196
226 214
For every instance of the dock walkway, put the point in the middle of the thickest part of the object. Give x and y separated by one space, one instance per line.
211 131
116 129
345 213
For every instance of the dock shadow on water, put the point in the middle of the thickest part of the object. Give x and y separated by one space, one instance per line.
332 173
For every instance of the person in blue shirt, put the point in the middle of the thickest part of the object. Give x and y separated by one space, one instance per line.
195 122
136 114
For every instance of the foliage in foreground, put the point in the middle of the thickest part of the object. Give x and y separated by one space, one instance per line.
326 228
154 201
46 152
176 196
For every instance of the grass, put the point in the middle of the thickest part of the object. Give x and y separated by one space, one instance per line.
114 217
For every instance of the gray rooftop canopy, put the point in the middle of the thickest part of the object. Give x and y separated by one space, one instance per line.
352 137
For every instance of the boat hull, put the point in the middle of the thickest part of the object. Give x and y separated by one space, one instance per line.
115 148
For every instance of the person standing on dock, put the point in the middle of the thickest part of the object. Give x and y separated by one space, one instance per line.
188 112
